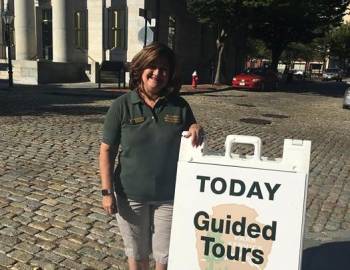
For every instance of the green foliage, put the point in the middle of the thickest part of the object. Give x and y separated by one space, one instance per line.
224 14
320 47
303 52
231 20
287 21
257 49
335 43
278 23
339 42
272 20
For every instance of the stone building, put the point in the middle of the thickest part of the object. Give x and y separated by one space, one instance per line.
66 40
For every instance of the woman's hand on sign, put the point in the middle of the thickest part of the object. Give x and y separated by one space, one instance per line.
196 133
109 204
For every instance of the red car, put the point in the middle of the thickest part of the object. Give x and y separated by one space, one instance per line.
256 78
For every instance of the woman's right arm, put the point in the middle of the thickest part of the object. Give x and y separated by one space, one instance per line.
106 160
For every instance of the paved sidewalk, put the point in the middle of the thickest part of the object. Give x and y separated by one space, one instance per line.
50 209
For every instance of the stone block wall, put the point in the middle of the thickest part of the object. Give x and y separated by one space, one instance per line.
38 72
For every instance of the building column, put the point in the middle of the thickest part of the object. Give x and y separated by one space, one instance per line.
96 30
59 31
96 17
25 29
136 30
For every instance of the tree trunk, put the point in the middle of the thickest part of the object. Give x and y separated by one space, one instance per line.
220 44
276 54
218 66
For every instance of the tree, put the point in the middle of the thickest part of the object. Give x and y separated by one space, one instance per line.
257 49
339 43
335 44
285 21
304 52
230 18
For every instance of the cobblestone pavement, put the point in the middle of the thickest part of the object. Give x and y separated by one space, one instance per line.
50 212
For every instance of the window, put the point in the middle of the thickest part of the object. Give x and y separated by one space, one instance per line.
12 32
80 30
46 26
171 32
117 38
46 15
3 39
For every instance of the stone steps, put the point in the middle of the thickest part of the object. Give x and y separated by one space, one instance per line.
109 77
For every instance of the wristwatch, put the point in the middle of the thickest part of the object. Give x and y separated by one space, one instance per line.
107 192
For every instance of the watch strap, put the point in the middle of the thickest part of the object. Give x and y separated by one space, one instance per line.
106 192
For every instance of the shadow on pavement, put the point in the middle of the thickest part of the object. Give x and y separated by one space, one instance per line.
198 91
330 256
3 83
330 89
29 100
55 99
45 100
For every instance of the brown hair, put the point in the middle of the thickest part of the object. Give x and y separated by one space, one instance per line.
146 58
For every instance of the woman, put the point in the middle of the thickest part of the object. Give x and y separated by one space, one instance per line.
147 124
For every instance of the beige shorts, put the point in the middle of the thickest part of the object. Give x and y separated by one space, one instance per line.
145 228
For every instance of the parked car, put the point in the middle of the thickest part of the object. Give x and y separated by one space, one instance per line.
299 74
332 74
346 102
256 78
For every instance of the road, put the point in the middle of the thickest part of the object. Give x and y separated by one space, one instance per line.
50 212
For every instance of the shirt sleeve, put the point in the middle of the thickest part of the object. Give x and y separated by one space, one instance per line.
112 125
189 116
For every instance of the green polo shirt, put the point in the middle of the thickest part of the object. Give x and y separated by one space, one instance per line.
149 142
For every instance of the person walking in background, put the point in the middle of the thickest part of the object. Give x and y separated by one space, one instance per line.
146 126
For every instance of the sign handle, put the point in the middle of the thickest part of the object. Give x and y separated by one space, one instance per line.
241 139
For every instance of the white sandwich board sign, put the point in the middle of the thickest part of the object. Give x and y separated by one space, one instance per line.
239 213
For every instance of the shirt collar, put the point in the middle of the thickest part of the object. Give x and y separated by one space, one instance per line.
135 98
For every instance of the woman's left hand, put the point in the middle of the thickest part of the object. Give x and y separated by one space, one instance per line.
196 132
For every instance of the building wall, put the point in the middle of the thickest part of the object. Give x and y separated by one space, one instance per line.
194 44
76 55
187 36
118 54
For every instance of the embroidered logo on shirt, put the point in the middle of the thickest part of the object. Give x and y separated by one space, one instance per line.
137 120
173 119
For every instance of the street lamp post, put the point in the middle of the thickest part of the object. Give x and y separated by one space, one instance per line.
8 18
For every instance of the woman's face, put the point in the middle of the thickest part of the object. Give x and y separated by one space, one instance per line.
155 77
